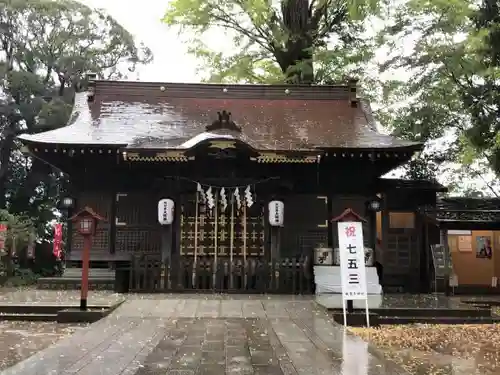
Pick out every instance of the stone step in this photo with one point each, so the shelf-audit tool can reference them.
(93, 272)
(29, 317)
(74, 283)
(395, 320)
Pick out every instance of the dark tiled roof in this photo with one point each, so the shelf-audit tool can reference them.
(462, 209)
(397, 183)
(156, 115)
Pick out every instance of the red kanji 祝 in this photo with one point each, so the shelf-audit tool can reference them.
(350, 231)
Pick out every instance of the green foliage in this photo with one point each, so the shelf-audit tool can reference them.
(46, 48)
(19, 228)
(293, 41)
(21, 277)
(453, 88)
(445, 54)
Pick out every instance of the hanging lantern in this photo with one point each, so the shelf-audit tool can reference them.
(166, 211)
(276, 213)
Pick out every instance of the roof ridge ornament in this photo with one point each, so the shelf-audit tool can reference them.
(225, 122)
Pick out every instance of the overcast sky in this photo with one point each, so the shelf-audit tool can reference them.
(142, 18)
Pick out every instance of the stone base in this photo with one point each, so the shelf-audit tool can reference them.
(62, 283)
(356, 319)
(91, 315)
(329, 281)
(76, 315)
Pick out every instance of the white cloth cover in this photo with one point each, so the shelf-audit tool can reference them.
(327, 279)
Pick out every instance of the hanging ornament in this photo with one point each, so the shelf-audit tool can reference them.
(201, 194)
(249, 197)
(237, 199)
(223, 199)
(210, 198)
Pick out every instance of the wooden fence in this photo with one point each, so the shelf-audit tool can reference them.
(181, 274)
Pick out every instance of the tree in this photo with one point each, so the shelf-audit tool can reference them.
(452, 93)
(480, 90)
(20, 233)
(47, 47)
(294, 41)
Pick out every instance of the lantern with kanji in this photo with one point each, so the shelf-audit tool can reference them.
(276, 211)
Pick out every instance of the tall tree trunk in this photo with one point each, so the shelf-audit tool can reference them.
(6, 147)
(296, 59)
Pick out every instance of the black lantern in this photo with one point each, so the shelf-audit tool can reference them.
(67, 202)
(374, 205)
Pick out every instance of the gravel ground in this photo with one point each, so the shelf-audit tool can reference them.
(20, 340)
(439, 349)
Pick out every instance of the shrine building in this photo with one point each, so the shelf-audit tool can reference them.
(219, 154)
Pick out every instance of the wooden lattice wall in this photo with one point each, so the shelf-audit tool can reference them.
(306, 224)
(137, 228)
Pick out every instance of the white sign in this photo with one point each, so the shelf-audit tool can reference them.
(276, 213)
(166, 211)
(352, 264)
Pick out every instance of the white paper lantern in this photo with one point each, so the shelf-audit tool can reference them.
(166, 211)
(276, 213)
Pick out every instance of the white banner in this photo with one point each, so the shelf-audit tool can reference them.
(352, 260)
(352, 265)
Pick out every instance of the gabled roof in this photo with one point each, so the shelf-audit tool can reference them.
(167, 115)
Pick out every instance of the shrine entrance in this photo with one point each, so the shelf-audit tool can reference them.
(222, 234)
(221, 247)
(220, 250)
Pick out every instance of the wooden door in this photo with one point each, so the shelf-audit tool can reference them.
(225, 233)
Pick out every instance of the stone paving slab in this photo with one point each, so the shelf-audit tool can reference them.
(209, 336)
(56, 297)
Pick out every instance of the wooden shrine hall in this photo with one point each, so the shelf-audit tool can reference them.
(218, 155)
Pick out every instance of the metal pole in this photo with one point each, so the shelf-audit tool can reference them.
(214, 271)
(231, 246)
(195, 240)
(245, 245)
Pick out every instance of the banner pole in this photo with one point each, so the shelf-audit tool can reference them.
(367, 313)
(344, 311)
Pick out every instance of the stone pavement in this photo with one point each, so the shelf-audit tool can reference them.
(35, 296)
(173, 335)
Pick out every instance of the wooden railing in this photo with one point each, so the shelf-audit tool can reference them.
(181, 274)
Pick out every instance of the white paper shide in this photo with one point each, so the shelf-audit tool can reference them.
(352, 260)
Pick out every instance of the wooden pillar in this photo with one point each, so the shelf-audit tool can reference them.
(331, 241)
(415, 255)
(384, 240)
(385, 222)
(372, 224)
(426, 258)
(166, 242)
(443, 240)
(69, 232)
(274, 236)
(112, 223)
(496, 255)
